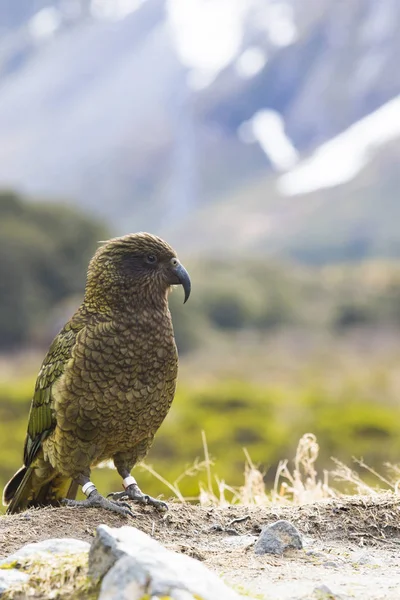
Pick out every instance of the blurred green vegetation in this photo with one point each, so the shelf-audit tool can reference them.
(44, 251)
(269, 351)
(353, 411)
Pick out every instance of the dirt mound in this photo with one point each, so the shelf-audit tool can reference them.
(335, 533)
(374, 519)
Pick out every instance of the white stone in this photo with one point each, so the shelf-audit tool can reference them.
(131, 562)
(52, 546)
(11, 577)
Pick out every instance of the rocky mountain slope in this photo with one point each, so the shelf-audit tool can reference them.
(152, 115)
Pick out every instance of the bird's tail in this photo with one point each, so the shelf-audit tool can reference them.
(24, 491)
(13, 485)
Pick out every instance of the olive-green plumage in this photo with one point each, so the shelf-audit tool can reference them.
(108, 379)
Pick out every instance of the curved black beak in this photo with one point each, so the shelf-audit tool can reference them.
(183, 279)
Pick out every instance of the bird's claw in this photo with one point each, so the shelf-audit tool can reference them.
(96, 500)
(133, 492)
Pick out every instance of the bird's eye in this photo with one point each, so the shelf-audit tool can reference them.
(151, 258)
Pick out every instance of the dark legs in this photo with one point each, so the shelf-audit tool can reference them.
(96, 500)
(133, 492)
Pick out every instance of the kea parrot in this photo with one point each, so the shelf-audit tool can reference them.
(107, 381)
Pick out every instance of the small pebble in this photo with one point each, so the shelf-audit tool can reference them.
(364, 558)
(278, 537)
(316, 553)
(322, 592)
(330, 563)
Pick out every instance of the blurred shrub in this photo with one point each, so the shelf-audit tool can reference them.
(44, 251)
(260, 295)
(227, 310)
(248, 294)
(352, 315)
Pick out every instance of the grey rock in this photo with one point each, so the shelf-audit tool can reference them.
(52, 546)
(364, 558)
(316, 553)
(278, 537)
(323, 589)
(11, 577)
(331, 563)
(322, 592)
(131, 564)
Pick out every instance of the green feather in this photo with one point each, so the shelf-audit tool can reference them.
(41, 417)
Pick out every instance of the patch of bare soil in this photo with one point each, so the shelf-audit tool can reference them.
(351, 545)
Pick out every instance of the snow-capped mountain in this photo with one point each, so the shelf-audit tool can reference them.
(153, 112)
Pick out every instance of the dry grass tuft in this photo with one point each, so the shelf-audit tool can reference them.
(302, 485)
(344, 474)
(197, 467)
(297, 485)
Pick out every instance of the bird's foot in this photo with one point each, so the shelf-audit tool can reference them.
(96, 500)
(133, 492)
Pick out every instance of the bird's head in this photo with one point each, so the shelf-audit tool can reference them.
(136, 269)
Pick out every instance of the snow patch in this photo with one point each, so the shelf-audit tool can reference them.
(268, 129)
(44, 23)
(250, 62)
(207, 34)
(278, 20)
(343, 157)
(114, 10)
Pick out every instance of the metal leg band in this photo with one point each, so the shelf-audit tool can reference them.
(128, 481)
(88, 488)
